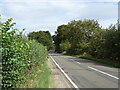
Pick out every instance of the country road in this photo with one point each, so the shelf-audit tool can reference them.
(87, 74)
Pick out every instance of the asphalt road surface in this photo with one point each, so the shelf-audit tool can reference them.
(87, 74)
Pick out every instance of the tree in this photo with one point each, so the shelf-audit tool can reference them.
(80, 34)
(96, 44)
(65, 45)
(86, 36)
(60, 36)
(112, 43)
(43, 37)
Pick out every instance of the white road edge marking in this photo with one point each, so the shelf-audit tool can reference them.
(66, 83)
(103, 72)
(78, 63)
(65, 74)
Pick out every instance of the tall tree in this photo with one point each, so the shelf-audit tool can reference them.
(60, 36)
(80, 34)
(112, 43)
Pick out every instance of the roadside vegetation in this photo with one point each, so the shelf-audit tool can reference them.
(38, 77)
(43, 37)
(87, 39)
(23, 60)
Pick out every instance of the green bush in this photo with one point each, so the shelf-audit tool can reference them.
(18, 55)
(65, 45)
(38, 53)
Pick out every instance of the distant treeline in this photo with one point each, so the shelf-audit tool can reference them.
(43, 37)
(87, 37)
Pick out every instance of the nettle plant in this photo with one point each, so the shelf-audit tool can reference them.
(15, 54)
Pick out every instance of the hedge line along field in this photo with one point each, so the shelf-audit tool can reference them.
(39, 74)
(19, 55)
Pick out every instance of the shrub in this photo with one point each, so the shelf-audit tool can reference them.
(18, 55)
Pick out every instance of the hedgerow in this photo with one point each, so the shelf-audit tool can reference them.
(18, 54)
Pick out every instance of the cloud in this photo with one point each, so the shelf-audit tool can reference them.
(47, 15)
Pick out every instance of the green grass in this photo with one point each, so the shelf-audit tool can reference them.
(38, 77)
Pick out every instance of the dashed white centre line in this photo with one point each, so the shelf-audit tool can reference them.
(78, 63)
(103, 72)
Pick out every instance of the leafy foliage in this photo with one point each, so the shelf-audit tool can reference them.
(43, 37)
(88, 37)
(60, 37)
(65, 45)
(17, 55)
(112, 43)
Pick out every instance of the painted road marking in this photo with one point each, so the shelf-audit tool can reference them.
(66, 82)
(103, 72)
(78, 62)
(65, 74)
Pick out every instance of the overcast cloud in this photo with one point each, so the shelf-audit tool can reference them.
(37, 15)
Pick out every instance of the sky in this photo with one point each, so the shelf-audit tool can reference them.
(35, 15)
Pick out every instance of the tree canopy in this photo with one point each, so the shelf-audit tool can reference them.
(87, 36)
(43, 37)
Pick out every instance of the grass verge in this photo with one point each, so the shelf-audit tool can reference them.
(38, 77)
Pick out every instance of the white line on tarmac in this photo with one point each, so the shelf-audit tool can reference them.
(65, 74)
(66, 82)
(78, 63)
(103, 72)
